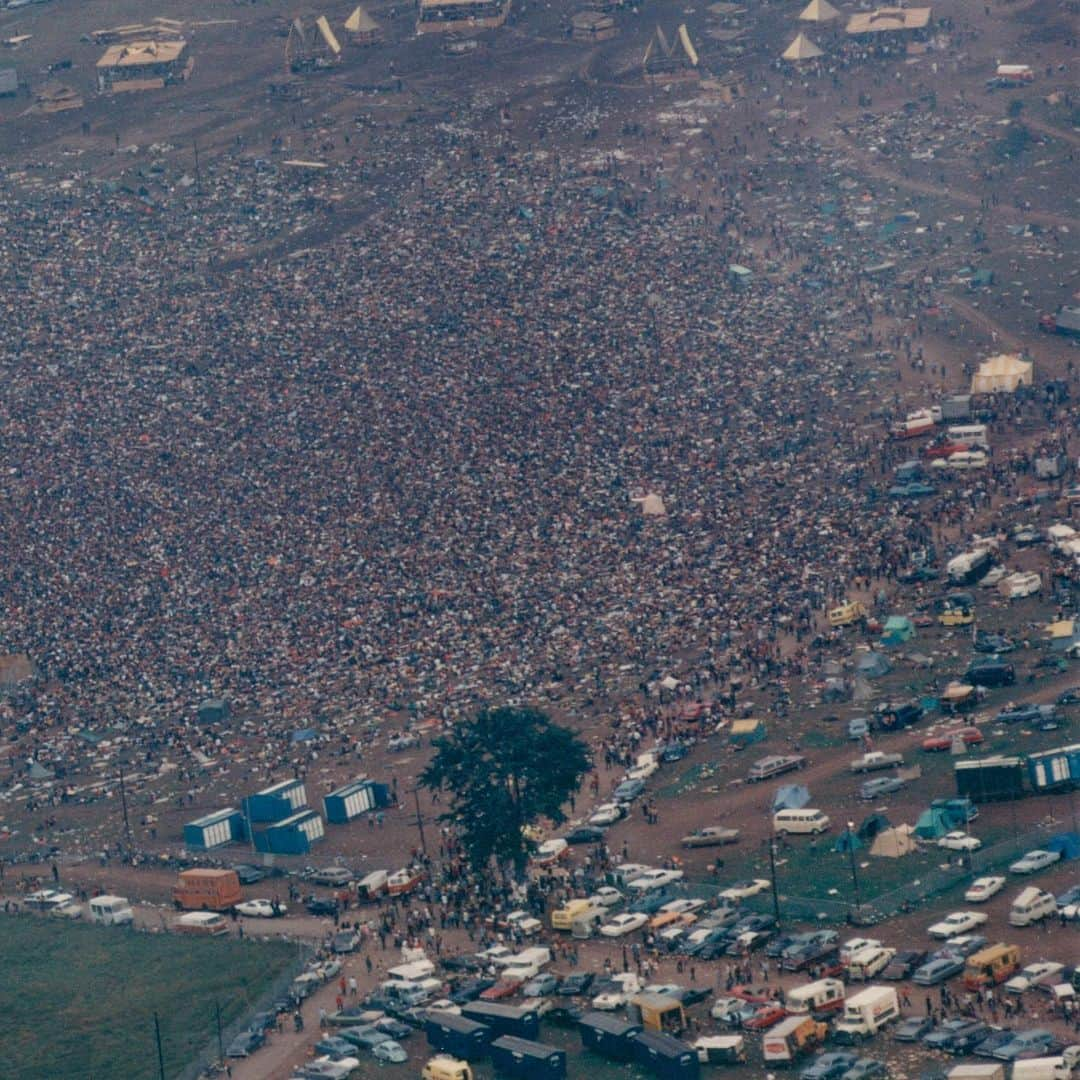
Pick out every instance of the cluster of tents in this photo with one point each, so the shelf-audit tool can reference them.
(802, 48)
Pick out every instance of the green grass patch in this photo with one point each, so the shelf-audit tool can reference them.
(79, 1001)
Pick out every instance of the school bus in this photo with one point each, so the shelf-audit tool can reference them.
(991, 965)
(850, 611)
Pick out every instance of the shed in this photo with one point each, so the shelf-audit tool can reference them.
(658, 1012)
(607, 1035)
(802, 48)
(518, 1020)
(791, 797)
(9, 82)
(351, 800)
(746, 732)
(818, 11)
(457, 1035)
(897, 630)
(362, 28)
(667, 1057)
(216, 829)
(740, 276)
(292, 836)
(526, 1059)
(276, 802)
(213, 711)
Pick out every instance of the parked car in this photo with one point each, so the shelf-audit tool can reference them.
(829, 1066)
(961, 946)
(625, 923)
(990, 1043)
(711, 836)
(913, 1028)
(334, 876)
(250, 875)
(959, 841)
(261, 909)
(765, 1017)
(742, 890)
(607, 814)
(867, 1069)
(585, 834)
(655, 879)
(903, 964)
(245, 1044)
(628, 791)
(1034, 1043)
(938, 971)
(471, 990)
(959, 922)
(391, 1052)
(335, 1047)
(956, 1035)
(326, 1068)
(880, 786)
(969, 736)
(1034, 861)
(606, 896)
(981, 889)
(319, 906)
(575, 985)
(1034, 975)
(345, 941)
(396, 1029)
(542, 985)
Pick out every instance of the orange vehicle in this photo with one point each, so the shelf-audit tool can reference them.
(207, 890)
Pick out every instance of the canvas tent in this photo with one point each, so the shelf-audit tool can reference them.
(1068, 843)
(847, 841)
(873, 665)
(802, 48)
(746, 732)
(362, 28)
(898, 629)
(818, 11)
(893, 843)
(1003, 373)
(933, 823)
(873, 826)
(652, 505)
(791, 797)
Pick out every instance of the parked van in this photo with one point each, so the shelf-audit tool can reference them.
(111, 910)
(969, 567)
(791, 1038)
(858, 727)
(851, 611)
(207, 890)
(866, 963)
(800, 821)
(867, 1013)
(972, 434)
(816, 998)
(1030, 906)
(442, 1067)
(991, 966)
(203, 923)
(1016, 586)
(1043, 1068)
(767, 767)
(371, 886)
(563, 918)
(990, 673)
(963, 459)
(418, 969)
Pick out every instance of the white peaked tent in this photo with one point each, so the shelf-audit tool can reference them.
(1002, 374)
(893, 843)
(651, 504)
(818, 11)
(802, 48)
(361, 26)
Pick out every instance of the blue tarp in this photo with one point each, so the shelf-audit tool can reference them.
(304, 735)
(791, 797)
(873, 665)
(1068, 843)
(847, 841)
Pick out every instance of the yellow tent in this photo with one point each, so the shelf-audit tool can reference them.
(818, 11)
(802, 48)
(1063, 628)
(1002, 374)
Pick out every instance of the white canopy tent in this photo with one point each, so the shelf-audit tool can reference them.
(802, 48)
(1003, 373)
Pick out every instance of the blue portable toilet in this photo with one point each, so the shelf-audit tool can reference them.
(456, 1035)
(527, 1060)
(292, 836)
(667, 1057)
(608, 1035)
(1055, 768)
(521, 1021)
(216, 829)
(350, 801)
(276, 802)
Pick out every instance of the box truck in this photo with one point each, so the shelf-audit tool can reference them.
(866, 1013)
(207, 890)
(792, 1038)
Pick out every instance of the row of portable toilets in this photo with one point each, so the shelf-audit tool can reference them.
(508, 1034)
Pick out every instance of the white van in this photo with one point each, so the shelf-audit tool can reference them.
(412, 972)
(966, 459)
(866, 963)
(1044, 1068)
(800, 821)
(824, 995)
(111, 910)
(1030, 906)
(972, 434)
(202, 923)
(1018, 585)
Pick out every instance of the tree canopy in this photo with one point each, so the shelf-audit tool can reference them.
(504, 769)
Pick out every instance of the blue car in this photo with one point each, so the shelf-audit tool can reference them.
(628, 791)
(1034, 1043)
(937, 971)
(335, 1047)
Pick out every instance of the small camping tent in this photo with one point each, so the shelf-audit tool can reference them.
(873, 826)
(933, 823)
(802, 48)
(746, 732)
(873, 665)
(893, 843)
(1003, 373)
(898, 629)
(847, 841)
(791, 797)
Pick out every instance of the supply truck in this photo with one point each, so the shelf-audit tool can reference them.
(792, 1038)
(866, 1013)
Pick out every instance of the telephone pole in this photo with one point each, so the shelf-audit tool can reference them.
(123, 802)
(160, 1053)
(419, 819)
(772, 880)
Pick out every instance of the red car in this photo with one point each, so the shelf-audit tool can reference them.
(972, 736)
(749, 994)
(504, 988)
(765, 1018)
(943, 450)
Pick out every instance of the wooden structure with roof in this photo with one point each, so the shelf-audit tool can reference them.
(675, 61)
(592, 26)
(889, 21)
(311, 46)
(818, 11)
(143, 65)
(362, 29)
(439, 16)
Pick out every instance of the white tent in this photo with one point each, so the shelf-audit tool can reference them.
(893, 843)
(802, 48)
(1002, 374)
(819, 11)
(360, 22)
(651, 504)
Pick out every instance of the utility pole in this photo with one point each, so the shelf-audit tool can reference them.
(220, 1042)
(160, 1053)
(772, 879)
(198, 175)
(123, 803)
(419, 819)
(854, 871)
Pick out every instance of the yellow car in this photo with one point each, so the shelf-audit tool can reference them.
(957, 617)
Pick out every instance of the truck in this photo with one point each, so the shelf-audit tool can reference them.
(969, 567)
(866, 1013)
(874, 760)
(207, 890)
(1066, 320)
(956, 407)
(1043, 1068)
(775, 765)
(976, 1071)
(111, 910)
(792, 1038)
(913, 425)
(817, 999)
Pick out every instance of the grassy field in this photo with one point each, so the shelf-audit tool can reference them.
(79, 1001)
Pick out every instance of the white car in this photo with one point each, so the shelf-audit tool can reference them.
(983, 888)
(1034, 861)
(724, 1006)
(1034, 975)
(644, 770)
(741, 890)
(993, 576)
(326, 1067)
(683, 906)
(67, 910)
(260, 909)
(606, 896)
(959, 841)
(655, 879)
(626, 923)
(629, 985)
(959, 922)
(607, 814)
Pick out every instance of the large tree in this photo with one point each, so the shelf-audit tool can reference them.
(502, 770)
